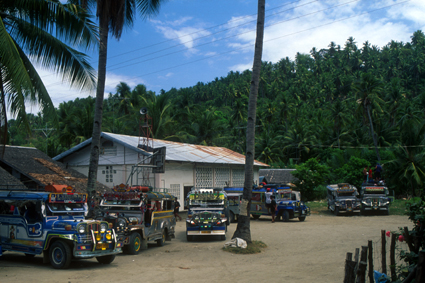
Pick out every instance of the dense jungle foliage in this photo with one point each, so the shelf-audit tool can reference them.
(316, 113)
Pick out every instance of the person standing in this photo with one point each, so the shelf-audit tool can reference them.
(272, 207)
(268, 194)
(176, 209)
(365, 173)
(378, 170)
(370, 174)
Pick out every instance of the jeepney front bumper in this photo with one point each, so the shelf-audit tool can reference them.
(378, 203)
(207, 228)
(89, 253)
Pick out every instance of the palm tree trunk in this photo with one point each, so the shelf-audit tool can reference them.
(243, 229)
(372, 132)
(98, 112)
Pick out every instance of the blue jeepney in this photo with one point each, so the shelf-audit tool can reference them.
(288, 202)
(207, 214)
(53, 224)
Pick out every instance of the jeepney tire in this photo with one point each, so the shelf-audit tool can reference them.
(285, 216)
(134, 246)
(336, 211)
(231, 217)
(161, 241)
(107, 259)
(60, 255)
(301, 218)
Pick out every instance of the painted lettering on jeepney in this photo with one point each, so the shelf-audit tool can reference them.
(67, 198)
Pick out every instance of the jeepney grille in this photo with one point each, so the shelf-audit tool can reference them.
(94, 227)
(349, 203)
(84, 238)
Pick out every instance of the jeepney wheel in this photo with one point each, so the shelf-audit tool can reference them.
(107, 259)
(134, 246)
(60, 255)
(189, 238)
(301, 218)
(255, 216)
(285, 216)
(231, 217)
(161, 241)
(336, 211)
(387, 212)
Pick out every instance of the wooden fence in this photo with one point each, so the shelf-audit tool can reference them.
(355, 269)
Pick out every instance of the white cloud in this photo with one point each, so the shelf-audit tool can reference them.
(61, 91)
(301, 34)
(186, 35)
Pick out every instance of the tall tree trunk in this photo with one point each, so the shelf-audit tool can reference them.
(243, 229)
(98, 112)
(372, 132)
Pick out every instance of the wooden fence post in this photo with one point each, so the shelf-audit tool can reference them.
(383, 252)
(349, 269)
(370, 248)
(420, 271)
(392, 257)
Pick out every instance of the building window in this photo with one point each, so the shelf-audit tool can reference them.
(238, 177)
(221, 176)
(204, 177)
(175, 190)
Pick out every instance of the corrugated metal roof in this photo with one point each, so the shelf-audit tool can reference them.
(178, 151)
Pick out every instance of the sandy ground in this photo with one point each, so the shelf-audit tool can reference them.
(310, 251)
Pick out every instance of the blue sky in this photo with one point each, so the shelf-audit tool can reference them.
(193, 41)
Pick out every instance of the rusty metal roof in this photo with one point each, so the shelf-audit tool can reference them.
(176, 151)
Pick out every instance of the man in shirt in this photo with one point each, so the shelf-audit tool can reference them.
(268, 194)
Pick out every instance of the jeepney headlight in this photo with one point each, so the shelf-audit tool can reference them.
(82, 229)
(121, 222)
(103, 227)
(133, 220)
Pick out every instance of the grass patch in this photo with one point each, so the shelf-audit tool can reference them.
(253, 248)
(318, 207)
(397, 207)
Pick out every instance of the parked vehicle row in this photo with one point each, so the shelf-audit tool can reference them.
(345, 198)
(53, 223)
(288, 202)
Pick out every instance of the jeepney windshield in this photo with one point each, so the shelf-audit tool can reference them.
(346, 194)
(206, 200)
(374, 191)
(65, 208)
(121, 204)
(284, 196)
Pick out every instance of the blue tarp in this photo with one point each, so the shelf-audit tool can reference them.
(380, 277)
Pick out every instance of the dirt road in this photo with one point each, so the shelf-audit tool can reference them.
(310, 251)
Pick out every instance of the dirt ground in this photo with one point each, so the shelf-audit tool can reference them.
(310, 251)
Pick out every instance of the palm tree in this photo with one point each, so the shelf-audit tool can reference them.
(243, 229)
(367, 91)
(38, 31)
(112, 15)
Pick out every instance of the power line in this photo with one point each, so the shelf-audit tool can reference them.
(208, 43)
(250, 45)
